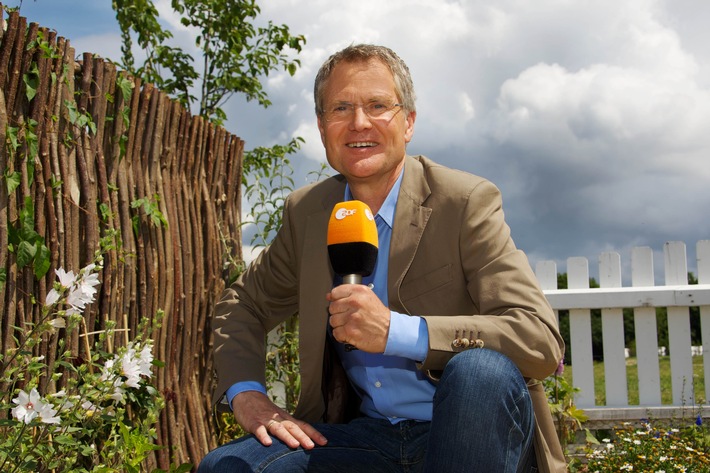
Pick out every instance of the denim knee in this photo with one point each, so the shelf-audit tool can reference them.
(481, 369)
(483, 398)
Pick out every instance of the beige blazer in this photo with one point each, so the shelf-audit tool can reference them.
(451, 261)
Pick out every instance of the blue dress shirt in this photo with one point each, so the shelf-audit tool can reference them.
(389, 384)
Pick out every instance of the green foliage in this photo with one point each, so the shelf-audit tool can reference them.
(569, 418)
(78, 118)
(12, 180)
(28, 245)
(104, 419)
(31, 80)
(168, 68)
(283, 366)
(22, 143)
(46, 49)
(151, 209)
(235, 53)
(269, 183)
(126, 86)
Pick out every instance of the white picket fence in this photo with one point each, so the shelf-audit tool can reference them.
(643, 297)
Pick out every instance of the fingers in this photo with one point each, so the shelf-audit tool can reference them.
(260, 416)
(293, 433)
(358, 317)
(262, 435)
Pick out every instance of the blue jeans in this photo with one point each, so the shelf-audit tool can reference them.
(482, 422)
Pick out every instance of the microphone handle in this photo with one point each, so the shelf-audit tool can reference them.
(351, 279)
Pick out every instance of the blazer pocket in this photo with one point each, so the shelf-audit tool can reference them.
(424, 284)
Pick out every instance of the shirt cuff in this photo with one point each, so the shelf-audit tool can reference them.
(408, 337)
(243, 386)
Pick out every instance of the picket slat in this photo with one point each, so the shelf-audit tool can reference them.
(581, 335)
(645, 329)
(703, 257)
(676, 270)
(546, 272)
(613, 334)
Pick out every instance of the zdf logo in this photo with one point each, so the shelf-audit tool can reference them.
(342, 212)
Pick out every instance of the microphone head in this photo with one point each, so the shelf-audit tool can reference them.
(352, 239)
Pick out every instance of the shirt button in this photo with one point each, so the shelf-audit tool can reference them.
(378, 384)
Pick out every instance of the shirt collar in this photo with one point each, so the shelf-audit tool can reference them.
(386, 212)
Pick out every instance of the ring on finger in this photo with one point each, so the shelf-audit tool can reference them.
(271, 422)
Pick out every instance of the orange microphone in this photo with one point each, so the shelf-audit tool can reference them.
(352, 241)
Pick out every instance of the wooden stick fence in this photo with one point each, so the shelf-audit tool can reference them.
(97, 164)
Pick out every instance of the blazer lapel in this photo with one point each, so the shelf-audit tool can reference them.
(410, 220)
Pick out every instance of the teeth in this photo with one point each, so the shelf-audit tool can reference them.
(362, 144)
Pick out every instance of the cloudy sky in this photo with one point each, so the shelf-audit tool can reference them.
(592, 116)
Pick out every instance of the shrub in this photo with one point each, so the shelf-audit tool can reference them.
(652, 449)
(104, 418)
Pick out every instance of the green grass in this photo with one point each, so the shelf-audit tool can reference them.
(632, 377)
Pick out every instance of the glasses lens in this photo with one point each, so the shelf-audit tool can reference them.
(376, 109)
(345, 111)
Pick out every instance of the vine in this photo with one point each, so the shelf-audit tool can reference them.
(151, 209)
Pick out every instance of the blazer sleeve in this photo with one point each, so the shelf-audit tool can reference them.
(261, 298)
(508, 312)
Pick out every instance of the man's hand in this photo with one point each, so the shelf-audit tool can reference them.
(261, 417)
(358, 317)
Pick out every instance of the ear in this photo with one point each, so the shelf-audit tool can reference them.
(409, 130)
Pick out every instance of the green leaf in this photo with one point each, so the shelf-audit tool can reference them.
(12, 133)
(13, 181)
(73, 112)
(31, 80)
(104, 211)
(64, 440)
(184, 468)
(26, 252)
(42, 260)
(27, 220)
(591, 438)
(126, 86)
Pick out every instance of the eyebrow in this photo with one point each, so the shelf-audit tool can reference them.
(377, 98)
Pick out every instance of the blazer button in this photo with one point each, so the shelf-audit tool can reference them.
(478, 343)
(461, 343)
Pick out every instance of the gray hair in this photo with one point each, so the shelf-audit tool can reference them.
(363, 53)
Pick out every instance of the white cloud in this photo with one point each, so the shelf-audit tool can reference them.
(313, 147)
(106, 45)
(590, 116)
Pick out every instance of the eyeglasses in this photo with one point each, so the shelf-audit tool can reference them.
(344, 111)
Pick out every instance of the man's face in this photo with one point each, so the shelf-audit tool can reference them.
(363, 148)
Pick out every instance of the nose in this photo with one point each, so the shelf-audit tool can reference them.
(359, 120)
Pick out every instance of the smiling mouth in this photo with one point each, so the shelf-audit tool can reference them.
(362, 144)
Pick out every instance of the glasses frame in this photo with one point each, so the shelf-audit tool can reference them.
(351, 112)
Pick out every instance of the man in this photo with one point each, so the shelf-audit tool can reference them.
(451, 329)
